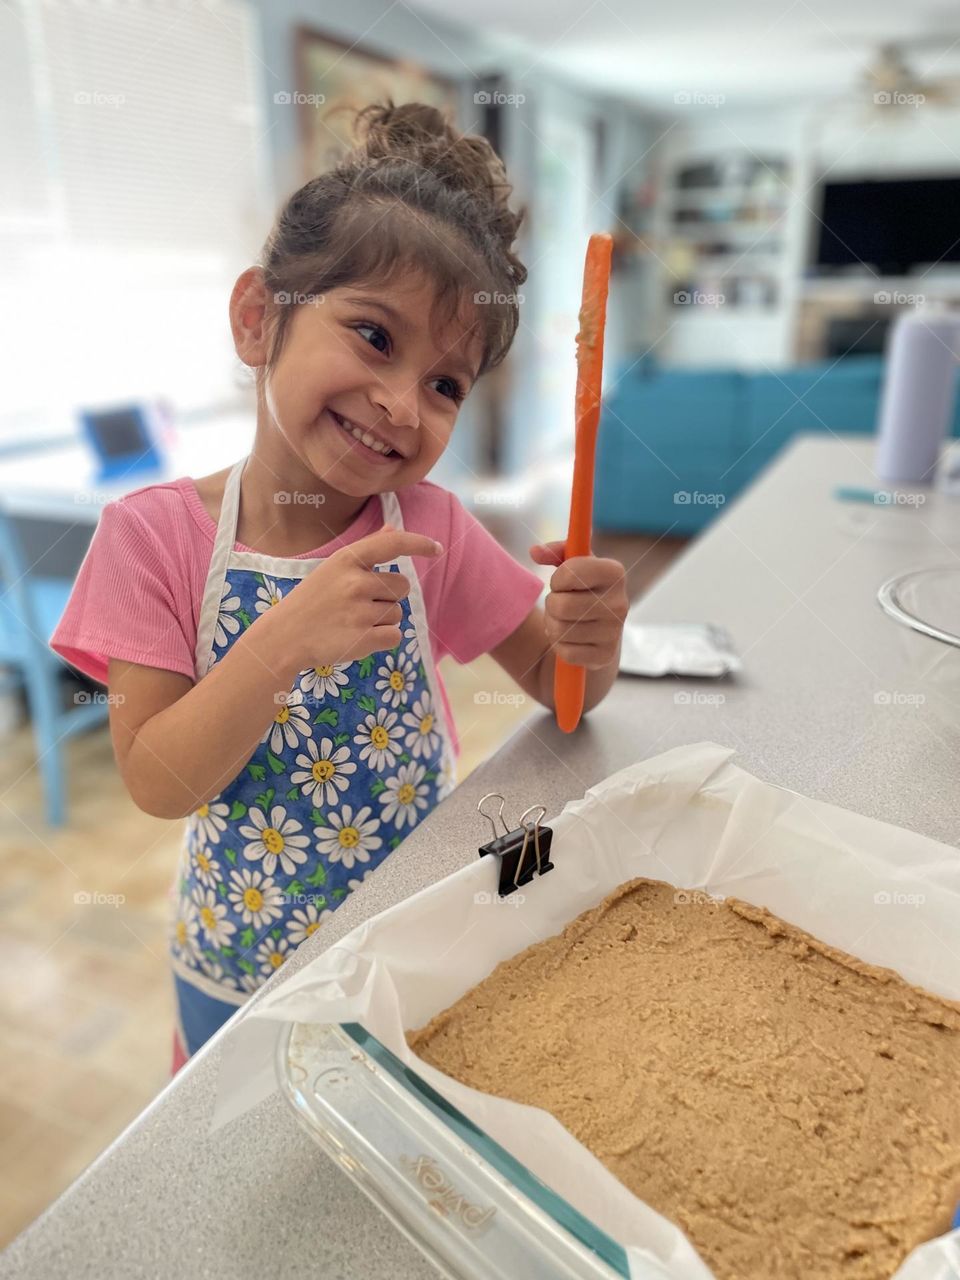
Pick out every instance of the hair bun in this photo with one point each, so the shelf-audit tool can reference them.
(384, 129)
(418, 132)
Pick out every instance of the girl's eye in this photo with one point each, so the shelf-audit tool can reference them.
(376, 329)
(456, 392)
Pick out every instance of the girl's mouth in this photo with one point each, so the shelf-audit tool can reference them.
(375, 451)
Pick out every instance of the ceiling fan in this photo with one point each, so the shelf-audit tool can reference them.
(891, 78)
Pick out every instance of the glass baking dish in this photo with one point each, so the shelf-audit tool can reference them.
(474, 1210)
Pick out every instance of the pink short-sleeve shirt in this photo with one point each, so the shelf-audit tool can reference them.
(138, 593)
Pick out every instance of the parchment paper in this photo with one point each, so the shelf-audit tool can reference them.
(689, 817)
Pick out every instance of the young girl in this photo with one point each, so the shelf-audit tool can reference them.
(285, 701)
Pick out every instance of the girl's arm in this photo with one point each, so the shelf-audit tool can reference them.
(582, 622)
(528, 656)
(177, 743)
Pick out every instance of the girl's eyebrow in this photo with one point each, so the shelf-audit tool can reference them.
(385, 307)
(399, 320)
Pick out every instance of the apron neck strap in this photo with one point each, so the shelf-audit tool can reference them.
(229, 510)
(226, 536)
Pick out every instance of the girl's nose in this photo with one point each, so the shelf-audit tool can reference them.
(399, 402)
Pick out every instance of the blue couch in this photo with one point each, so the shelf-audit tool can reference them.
(677, 445)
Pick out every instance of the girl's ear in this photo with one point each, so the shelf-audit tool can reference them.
(248, 310)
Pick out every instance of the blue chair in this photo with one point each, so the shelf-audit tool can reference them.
(31, 604)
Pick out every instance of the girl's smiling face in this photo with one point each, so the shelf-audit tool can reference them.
(363, 359)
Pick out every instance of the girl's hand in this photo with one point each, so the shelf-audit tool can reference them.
(586, 607)
(344, 609)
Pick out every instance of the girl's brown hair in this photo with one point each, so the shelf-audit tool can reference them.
(413, 193)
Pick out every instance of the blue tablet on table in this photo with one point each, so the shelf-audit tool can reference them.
(124, 439)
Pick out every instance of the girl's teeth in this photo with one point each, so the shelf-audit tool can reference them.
(365, 437)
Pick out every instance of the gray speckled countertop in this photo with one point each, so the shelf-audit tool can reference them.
(793, 575)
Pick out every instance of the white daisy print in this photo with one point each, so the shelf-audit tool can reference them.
(303, 922)
(323, 772)
(348, 839)
(290, 724)
(271, 954)
(421, 738)
(211, 913)
(215, 970)
(397, 677)
(207, 868)
(228, 624)
(411, 645)
(185, 930)
(319, 681)
(406, 793)
(379, 739)
(255, 897)
(276, 841)
(267, 596)
(209, 821)
(250, 982)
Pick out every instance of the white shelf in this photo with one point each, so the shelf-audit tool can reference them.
(756, 251)
(748, 251)
(733, 225)
(705, 195)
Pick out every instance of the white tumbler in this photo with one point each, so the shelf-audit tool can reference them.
(918, 394)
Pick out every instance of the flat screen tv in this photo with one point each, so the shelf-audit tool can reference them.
(890, 225)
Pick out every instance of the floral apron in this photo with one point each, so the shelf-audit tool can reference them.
(357, 755)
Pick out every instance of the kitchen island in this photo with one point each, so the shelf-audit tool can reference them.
(827, 704)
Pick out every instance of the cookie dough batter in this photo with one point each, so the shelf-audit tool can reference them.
(794, 1110)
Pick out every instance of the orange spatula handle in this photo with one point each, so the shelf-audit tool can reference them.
(570, 680)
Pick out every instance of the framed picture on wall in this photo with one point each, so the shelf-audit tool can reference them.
(334, 79)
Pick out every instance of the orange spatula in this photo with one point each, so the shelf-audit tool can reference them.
(569, 680)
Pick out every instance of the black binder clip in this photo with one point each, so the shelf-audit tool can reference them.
(524, 851)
